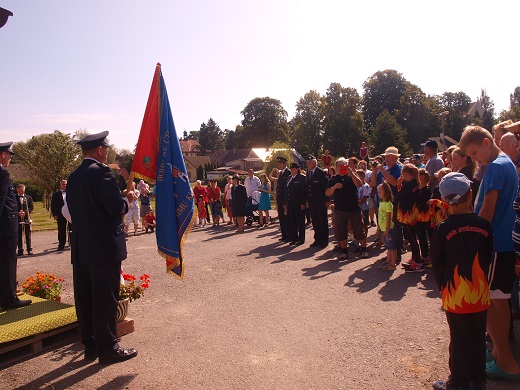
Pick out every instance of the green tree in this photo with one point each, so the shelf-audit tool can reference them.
(514, 108)
(487, 103)
(487, 121)
(265, 121)
(50, 158)
(387, 132)
(514, 98)
(457, 104)
(308, 122)
(229, 139)
(210, 137)
(278, 149)
(342, 120)
(383, 91)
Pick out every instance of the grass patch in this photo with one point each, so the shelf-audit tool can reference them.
(41, 218)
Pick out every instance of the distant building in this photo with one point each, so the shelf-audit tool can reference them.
(193, 163)
(476, 107)
(190, 148)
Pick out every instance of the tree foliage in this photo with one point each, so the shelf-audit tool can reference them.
(307, 123)
(279, 149)
(265, 121)
(387, 132)
(50, 158)
(487, 103)
(210, 137)
(342, 120)
(457, 104)
(383, 91)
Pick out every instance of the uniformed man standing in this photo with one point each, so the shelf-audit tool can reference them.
(8, 234)
(25, 208)
(295, 205)
(281, 189)
(317, 183)
(97, 248)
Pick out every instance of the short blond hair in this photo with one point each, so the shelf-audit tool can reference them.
(474, 135)
(502, 126)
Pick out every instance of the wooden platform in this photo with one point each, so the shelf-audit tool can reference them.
(17, 350)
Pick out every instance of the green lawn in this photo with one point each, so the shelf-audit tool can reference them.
(41, 218)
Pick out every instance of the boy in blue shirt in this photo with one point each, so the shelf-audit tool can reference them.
(494, 202)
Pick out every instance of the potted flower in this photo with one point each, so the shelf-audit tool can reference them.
(45, 286)
(130, 289)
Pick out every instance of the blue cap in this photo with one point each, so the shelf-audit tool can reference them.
(453, 186)
(431, 144)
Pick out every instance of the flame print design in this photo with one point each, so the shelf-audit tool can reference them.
(467, 296)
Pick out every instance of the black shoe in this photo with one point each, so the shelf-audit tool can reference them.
(119, 355)
(314, 244)
(16, 304)
(29, 252)
(60, 248)
(20, 253)
(90, 354)
(281, 239)
(292, 243)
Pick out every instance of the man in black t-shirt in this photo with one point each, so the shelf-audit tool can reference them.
(344, 188)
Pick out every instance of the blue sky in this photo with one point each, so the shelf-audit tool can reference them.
(70, 65)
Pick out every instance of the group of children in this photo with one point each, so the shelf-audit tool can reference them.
(470, 250)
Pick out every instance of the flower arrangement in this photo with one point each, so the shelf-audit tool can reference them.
(45, 286)
(132, 288)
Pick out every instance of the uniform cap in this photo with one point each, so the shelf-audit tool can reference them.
(6, 147)
(281, 159)
(94, 140)
(311, 157)
(294, 165)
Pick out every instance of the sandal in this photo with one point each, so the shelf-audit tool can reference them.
(493, 371)
(388, 267)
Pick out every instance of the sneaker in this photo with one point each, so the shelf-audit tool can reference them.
(352, 243)
(364, 255)
(439, 385)
(336, 248)
(388, 267)
(343, 255)
(381, 266)
(415, 267)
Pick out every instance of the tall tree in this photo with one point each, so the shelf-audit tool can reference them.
(50, 158)
(385, 132)
(457, 104)
(265, 122)
(383, 91)
(487, 103)
(342, 120)
(210, 137)
(514, 98)
(308, 122)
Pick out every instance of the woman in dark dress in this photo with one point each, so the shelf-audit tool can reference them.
(239, 196)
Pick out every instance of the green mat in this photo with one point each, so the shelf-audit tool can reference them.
(41, 316)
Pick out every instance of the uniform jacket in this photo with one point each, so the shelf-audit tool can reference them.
(296, 194)
(57, 203)
(316, 187)
(96, 208)
(281, 186)
(8, 207)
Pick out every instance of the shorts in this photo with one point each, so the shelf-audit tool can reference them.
(145, 209)
(132, 215)
(501, 275)
(341, 220)
(390, 242)
(371, 203)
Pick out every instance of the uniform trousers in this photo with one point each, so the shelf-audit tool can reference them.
(296, 224)
(8, 270)
(467, 348)
(62, 231)
(283, 219)
(320, 224)
(96, 296)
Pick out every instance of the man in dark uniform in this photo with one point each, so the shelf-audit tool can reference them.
(97, 248)
(281, 189)
(57, 202)
(8, 234)
(317, 183)
(25, 208)
(295, 205)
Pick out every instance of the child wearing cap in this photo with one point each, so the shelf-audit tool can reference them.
(494, 201)
(461, 251)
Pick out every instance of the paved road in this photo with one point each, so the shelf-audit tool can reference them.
(255, 314)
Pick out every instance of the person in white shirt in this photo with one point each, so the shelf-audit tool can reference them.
(252, 183)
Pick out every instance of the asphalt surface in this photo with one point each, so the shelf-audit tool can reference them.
(253, 313)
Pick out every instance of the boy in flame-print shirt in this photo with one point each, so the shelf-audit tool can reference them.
(462, 249)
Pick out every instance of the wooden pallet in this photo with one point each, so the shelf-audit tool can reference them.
(17, 350)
